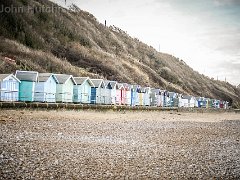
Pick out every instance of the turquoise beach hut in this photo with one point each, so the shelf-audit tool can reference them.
(45, 88)
(64, 90)
(9, 87)
(82, 90)
(27, 86)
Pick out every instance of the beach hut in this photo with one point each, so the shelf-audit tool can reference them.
(119, 89)
(155, 97)
(9, 87)
(45, 88)
(97, 92)
(165, 98)
(112, 85)
(173, 99)
(107, 92)
(141, 96)
(188, 101)
(64, 90)
(82, 90)
(135, 89)
(127, 94)
(27, 86)
(146, 96)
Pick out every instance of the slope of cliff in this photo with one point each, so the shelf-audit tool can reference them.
(73, 41)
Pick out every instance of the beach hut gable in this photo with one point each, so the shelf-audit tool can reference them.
(9, 87)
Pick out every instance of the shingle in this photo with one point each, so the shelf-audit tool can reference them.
(27, 75)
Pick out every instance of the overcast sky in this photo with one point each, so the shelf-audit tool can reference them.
(204, 33)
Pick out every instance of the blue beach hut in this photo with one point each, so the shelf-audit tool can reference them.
(82, 90)
(45, 88)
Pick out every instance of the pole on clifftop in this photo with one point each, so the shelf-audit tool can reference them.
(105, 23)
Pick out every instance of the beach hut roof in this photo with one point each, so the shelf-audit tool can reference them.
(27, 75)
(98, 82)
(43, 77)
(63, 78)
(172, 94)
(157, 91)
(82, 80)
(187, 97)
(127, 86)
(4, 76)
(120, 85)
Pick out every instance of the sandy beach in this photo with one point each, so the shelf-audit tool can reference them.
(63, 144)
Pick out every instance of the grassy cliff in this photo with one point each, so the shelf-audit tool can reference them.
(74, 42)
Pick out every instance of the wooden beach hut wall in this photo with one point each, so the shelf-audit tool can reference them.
(119, 90)
(221, 105)
(82, 90)
(141, 96)
(97, 92)
(146, 96)
(64, 90)
(181, 101)
(27, 86)
(226, 104)
(188, 101)
(45, 88)
(173, 99)
(122, 94)
(155, 97)
(9, 87)
(127, 94)
(113, 86)
(107, 92)
(165, 98)
(135, 89)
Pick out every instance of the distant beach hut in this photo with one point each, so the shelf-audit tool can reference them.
(155, 97)
(97, 92)
(45, 88)
(9, 87)
(173, 99)
(107, 92)
(165, 98)
(27, 86)
(113, 90)
(188, 101)
(82, 90)
(127, 93)
(64, 90)
(221, 105)
(141, 96)
(135, 89)
(146, 96)
(119, 88)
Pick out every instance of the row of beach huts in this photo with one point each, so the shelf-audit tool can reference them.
(31, 86)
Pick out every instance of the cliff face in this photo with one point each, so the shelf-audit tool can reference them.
(73, 41)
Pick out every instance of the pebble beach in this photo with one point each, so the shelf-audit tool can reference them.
(38, 144)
